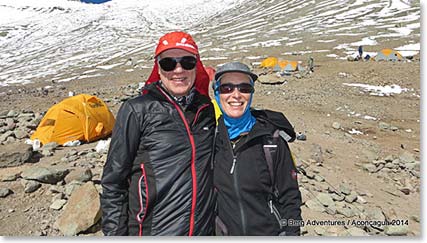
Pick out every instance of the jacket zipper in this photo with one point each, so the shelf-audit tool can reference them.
(198, 113)
(233, 171)
(193, 158)
(142, 179)
(276, 213)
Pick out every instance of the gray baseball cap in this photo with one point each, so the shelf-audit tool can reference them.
(235, 67)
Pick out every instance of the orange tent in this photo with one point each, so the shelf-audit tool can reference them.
(81, 117)
(269, 62)
(286, 65)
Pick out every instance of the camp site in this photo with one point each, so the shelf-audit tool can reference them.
(345, 73)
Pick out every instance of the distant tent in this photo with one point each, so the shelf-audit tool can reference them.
(94, 1)
(81, 117)
(286, 65)
(388, 55)
(269, 62)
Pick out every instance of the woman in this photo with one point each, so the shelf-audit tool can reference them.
(255, 195)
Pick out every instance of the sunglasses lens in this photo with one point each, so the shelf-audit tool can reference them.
(167, 64)
(245, 88)
(188, 62)
(226, 88)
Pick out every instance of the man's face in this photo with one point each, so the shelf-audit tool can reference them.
(178, 81)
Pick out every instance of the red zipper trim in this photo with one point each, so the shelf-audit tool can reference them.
(140, 199)
(198, 112)
(193, 165)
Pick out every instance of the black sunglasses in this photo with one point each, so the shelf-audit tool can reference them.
(242, 87)
(169, 63)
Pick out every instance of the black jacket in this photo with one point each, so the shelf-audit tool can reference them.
(158, 177)
(244, 192)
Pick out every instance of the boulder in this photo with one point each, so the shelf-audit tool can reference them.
(82, 211)
(15, 154)
(45, 175)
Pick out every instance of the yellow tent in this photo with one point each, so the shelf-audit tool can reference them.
(269, 62)
(81, 117)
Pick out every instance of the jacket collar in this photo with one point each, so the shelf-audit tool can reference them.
(153, 90)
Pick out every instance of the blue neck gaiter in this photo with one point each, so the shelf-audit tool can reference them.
(236, 126)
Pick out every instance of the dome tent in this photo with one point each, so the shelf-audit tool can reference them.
(81, 117)
(388, 55)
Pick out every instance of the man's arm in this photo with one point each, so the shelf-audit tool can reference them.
(115, 185)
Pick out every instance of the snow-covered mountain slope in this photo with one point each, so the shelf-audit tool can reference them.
(50, 39)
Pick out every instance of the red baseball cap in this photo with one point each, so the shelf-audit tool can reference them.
(177, 40)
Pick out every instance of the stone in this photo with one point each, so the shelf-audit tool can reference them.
(15, 154)
(354, 231)
(45, 175)
(83, 211)
(4, 192)
(347, 212)
(407, 157)
(389, 158)
(352, 197)
(325, 199)
(361, 200)
(304, 194)
(337, 197)
(51, 146)
(344, 189)
(47, 153)
(20, 134)
(336, 125)
(5, 135)
(320, 230)
(315, 205)
(319, 178)
(58, 204)
(30, 185)
(383, 125)
(9, 177)
(375, 214)
(370, 168)
(396, 230)
(12, 113)
(79, 174)
(71, 187)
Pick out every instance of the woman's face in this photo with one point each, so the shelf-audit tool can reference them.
(179, 80)
(234, 104)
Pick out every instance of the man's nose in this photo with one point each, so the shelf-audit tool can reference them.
(178, 68)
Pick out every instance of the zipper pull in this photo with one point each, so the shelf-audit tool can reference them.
(270, 203)
(233, 166)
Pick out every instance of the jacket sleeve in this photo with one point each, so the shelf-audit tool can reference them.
(115, 186)
(289, 194)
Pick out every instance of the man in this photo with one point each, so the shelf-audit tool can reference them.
(157, 179)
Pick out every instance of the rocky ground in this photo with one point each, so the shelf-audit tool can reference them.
(358, 154)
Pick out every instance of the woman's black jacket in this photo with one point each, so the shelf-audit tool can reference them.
(245, 202)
